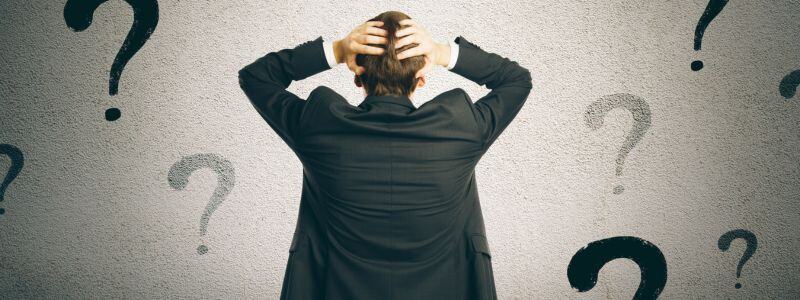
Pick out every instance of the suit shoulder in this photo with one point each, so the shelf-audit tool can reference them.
(321, 91)
(324, 92)
(455, 95)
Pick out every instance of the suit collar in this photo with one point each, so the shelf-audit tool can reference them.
(396, 99)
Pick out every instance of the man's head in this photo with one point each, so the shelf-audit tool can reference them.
(384, 74)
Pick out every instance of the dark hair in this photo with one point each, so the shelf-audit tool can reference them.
(385, 74)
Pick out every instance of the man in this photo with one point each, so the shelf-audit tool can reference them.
(389, 206)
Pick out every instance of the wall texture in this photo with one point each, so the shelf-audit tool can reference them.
(92, 213)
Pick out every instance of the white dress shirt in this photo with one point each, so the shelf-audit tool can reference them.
(328, 48)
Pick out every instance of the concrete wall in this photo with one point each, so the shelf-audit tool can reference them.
(92, 214)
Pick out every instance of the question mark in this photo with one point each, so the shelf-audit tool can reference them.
(78, 15)
(179, 177)
(596, 112)
(712, 10)
(17, 161)
(724, 244)
(788, 86)
(585, 265)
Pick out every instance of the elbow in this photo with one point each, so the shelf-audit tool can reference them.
(243, 75)
(526, 82)
(524, 78)
(244, 79)
(528, 79)
(519, 75)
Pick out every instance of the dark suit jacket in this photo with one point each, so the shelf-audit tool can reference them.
(389, 206)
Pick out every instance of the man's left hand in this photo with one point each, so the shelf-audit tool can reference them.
(345, 49)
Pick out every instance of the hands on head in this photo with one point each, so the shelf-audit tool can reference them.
(356, 42)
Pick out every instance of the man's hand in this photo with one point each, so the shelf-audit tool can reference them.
(345, 49)
(437, 53)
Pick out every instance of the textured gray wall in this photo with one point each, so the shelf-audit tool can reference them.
(93, 215)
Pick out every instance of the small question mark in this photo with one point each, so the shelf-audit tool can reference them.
(724, 244)
(585, 265)
(179, 177)
(78, 15)
(712, 10)
(17, 161)
(596, 112)
(788, 86)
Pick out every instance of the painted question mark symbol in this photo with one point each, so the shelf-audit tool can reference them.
(78, 15)
(788, 86)
(713, 8)
(597, 111)
(724, 244)
(179, 177)
(585, 265)
(17, 161)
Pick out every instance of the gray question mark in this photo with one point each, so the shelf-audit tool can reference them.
(17, 161)
(597, 111)
(724, 244)
(179, 177)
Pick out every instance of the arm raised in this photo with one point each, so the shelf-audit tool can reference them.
(509, 82)
(265, 82)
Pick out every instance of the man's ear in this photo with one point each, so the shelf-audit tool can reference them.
(421, 81)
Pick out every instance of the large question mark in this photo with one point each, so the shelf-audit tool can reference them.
(724, 244)
(713, 8)
(78, 15)
(17, 161)
(179, 177)
(788, 86)
(596, 112)
(585, 265)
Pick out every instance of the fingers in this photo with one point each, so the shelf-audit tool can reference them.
(406, 40)
(375, 31)
(408, 22)
(418, 50)
(371, 27)
(406, 31)
(364, 49)
(368, 33)
(370, 39)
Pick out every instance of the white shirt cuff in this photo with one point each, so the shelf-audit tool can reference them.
(453, 54)
(327, 46)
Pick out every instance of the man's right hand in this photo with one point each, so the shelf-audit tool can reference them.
(438, 53)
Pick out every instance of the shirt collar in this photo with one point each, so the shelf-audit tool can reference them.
(396, 99)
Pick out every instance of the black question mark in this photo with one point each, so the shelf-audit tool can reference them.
(724, 244)
(17, 161)
(712, 10)
(586, 264)
(78, 15)
(788, 86)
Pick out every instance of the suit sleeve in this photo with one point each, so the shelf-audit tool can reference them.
(265, 81)
(509, 82)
